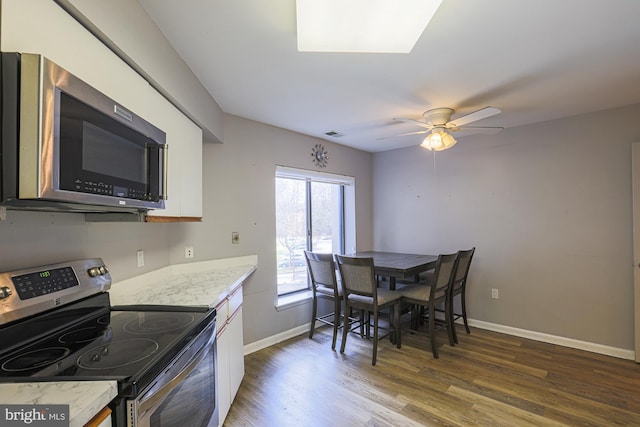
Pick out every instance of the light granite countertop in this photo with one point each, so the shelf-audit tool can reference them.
(192, 284)
(85, 398)
(203, 283)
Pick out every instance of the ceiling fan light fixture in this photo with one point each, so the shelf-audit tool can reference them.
(438, 140)
(374, 26)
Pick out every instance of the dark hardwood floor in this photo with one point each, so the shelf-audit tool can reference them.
(488, 379)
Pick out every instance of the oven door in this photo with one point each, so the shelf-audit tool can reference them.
(186, 394)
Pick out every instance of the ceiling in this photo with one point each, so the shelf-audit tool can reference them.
(536, 60)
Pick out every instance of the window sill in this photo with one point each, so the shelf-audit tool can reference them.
(288, 301)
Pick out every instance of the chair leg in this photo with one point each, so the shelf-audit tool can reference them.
(375, 337)
(432, 330)
(448, 318)
(345, 327)
(314, 312)
(336, 322)
(367, 331)
(415, 316)
(454, 334)
(464, 311)
(396, 326)
(452, 320)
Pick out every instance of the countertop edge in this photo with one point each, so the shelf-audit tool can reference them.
(85, 398)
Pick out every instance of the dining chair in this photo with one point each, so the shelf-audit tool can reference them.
(324, 284)
(429, 295)
(458, 287)
(361, 291)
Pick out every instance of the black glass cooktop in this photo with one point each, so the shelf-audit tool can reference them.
(87, 340)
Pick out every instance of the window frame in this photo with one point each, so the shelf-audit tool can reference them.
(347, 206)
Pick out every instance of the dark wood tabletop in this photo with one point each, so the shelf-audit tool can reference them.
(399, 266)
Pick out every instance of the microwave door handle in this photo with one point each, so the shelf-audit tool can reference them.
(146, 406)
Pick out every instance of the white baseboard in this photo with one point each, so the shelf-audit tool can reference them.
(554, 339)
(275, 339)
(536, 336)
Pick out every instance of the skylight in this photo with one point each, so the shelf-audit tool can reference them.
(376, 26)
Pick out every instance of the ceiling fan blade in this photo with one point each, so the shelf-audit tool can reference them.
(414, 121)
(475, 130)
(404, 134)
(475, 116)
(498, 128)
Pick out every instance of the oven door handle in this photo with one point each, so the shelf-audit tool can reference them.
(153, 399)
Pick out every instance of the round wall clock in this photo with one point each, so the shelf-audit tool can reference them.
(320, 157)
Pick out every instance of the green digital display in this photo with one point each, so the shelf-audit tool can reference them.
(45, 274)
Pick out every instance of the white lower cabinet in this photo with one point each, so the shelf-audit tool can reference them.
(224, 396)
(230, 351)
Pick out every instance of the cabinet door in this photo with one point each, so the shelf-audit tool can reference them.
(224, 394)
(184, 173)
(236, 353)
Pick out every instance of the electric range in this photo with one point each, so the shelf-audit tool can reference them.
(57, 324)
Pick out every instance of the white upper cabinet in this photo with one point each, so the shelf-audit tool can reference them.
(184, 189)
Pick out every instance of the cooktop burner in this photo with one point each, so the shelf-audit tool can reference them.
(153, 323)
(83, 335)
(117, 354)
(34, 359)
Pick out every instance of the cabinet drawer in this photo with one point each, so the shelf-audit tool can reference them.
(222, 311)
(235, 301)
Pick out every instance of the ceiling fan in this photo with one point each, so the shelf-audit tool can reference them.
(438, 124)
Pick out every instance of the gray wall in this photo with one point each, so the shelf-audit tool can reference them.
(548, 207)
(36, 238)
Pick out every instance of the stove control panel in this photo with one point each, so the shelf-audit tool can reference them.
(44, 282)
(33, 290)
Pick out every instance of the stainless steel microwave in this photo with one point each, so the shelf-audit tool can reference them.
(64, 144)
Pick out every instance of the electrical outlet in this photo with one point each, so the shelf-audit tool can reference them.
(188, 251)
(494, 293)
(140, 258)
(235, 237)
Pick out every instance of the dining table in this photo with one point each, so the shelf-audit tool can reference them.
(395, 266)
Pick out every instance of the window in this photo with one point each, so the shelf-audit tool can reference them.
(311, 214)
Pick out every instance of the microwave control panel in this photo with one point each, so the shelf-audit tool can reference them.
(109, 190)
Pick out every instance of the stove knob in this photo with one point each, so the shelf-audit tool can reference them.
(93, 271)
(5, 291)
(102, 269)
